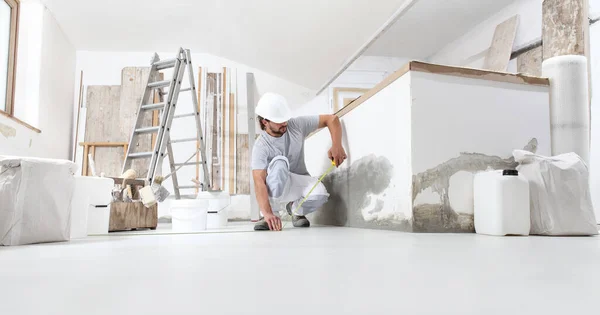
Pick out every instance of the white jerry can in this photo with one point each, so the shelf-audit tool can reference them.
(501, 203)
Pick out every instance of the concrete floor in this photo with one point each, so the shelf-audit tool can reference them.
(321, 270)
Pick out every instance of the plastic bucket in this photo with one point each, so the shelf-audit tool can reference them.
(189, 215)
(218, 203)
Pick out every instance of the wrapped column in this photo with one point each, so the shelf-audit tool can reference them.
(569, 112)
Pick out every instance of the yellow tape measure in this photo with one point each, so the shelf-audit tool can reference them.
(315, 186)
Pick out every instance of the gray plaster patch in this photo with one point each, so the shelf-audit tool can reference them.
(8, 131)
(351, 190)
(441, 217)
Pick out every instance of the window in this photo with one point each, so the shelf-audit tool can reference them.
(9, 13)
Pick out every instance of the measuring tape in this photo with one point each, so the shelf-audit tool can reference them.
(331, 168)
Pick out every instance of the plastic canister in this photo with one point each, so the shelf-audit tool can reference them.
(501, 203)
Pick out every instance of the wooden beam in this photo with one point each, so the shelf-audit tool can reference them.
(232, 141)
(156, 113)
(104, 144)
(84, 169)
(498, 55)
(78, 113)
(530, 62)
(242, 165)
(199, 98)
(223, 124)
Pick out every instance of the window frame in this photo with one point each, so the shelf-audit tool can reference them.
(12, 57)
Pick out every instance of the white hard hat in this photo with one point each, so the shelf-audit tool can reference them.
(273, 107)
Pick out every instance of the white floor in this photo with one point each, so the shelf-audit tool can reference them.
(321, 270)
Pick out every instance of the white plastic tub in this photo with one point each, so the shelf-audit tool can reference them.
(218, 203)
(189, 215)
(98, 220)
(92, 197)
(501, 203)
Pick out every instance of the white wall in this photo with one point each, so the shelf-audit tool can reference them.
(365, 72)
(469, 50)
(44, 88)
(472, 115)
(353, 201)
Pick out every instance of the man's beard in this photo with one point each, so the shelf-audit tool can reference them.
(279, 131)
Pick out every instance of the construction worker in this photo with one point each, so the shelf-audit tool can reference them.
(278, 168)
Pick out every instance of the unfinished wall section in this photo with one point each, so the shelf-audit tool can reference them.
(464, 125)
(415, 141)
(372, 188)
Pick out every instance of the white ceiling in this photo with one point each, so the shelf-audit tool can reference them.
(303, 41)
(432, 24)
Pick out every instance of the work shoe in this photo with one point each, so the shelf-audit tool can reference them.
(261, 225)
(297, 220)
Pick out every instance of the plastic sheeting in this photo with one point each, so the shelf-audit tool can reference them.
(569, 105)
(560, 196)
(35, 200)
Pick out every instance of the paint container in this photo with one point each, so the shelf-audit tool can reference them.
(189, 215)
(218, 205)
(501, 203)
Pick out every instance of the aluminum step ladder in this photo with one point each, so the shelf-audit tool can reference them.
(162, 146)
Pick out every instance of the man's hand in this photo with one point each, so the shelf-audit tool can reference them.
(273, 221)
(337, 154)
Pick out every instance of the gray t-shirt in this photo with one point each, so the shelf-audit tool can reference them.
(290, 145)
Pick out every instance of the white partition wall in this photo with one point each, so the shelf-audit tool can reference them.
(415, 141)
(372, 188)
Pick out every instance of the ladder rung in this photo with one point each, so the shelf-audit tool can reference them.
(184, 115)
(185, 90)
(165, 64)
(154, 106)
(184, 140)
(159, 84)
(187, 164)
(147, 130)
(188, 187)
(140, 155)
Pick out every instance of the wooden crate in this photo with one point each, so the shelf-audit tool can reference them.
(126, 216)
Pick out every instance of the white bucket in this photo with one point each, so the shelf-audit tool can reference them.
(98, 220)
(189, 215)
(218, 203)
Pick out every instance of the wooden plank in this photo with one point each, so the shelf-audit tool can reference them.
(498, 55)
(199, 97)
(530, 62)
(223, 124)
(232, 143)
(103, 126)
(445, 70)
(564, 27)
(132, 215)
(242, 168)
(78, 114)
(216, 170)
(477, 74)
(84, 169)
(104, 144)
(133, 84)
(156, 113)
